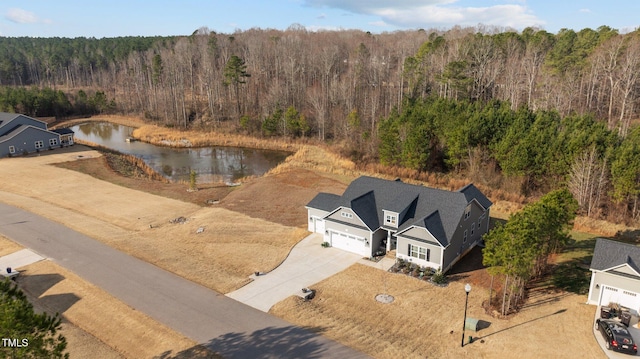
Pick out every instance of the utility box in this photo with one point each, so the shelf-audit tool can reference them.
(471, 324)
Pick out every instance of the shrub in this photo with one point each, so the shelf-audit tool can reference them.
(439, 277)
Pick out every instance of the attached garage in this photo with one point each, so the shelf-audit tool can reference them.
(622, 297)
(317, 225)
(615, 275)
(349, 242)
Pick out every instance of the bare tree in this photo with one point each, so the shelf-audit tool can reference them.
(588, 181)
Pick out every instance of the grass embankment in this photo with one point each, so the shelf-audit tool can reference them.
(192, 138)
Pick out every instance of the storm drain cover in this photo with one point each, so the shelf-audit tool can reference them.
(384, 298)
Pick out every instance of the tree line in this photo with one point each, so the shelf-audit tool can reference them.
(46, 102)
(327, 75)
(522, 151)
(523, 111)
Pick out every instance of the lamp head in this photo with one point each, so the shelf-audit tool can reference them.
(467, 288)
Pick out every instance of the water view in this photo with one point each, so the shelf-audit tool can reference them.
(212, 164)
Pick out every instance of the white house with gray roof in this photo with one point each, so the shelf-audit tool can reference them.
(427, 226)
(20, 134)
(615, 274)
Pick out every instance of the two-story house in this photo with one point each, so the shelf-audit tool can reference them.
(20, 134)
(426, 226)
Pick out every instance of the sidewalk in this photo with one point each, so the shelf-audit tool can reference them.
(18, 259)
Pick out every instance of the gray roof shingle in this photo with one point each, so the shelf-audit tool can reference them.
(325, 201)
(437, 210)
(63, 131)
(608, 254)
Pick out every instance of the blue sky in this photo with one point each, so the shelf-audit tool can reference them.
(71, 18)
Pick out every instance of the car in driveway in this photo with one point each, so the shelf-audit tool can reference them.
(616, 336)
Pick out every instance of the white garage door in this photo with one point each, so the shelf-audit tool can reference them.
(350, 243)
(318, 225)
(625, 298)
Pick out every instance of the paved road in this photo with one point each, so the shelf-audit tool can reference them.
(226, 326)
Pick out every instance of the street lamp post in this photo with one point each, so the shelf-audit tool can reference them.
(467, 289)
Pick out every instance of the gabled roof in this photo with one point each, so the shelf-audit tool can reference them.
(63, 131)
(325, 201)
(609, 254)
(471, 192)
(5, 116)
(433, 223)
(6, 119)
(437, 210)
(362, 207)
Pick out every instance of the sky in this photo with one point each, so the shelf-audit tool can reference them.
(72, 18)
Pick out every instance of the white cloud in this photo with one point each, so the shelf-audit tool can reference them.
(21, 16)
(372, 6)
(585, 10)
(379, 23)
(436, 13)
(322, 16)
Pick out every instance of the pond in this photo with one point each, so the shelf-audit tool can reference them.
(212, 164)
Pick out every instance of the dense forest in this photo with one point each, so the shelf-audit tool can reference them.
(524, 111)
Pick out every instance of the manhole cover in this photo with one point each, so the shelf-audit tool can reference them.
(384, 298)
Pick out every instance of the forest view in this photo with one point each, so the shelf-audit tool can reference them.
(526, 112)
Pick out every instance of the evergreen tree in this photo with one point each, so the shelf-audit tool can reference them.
(18, 321)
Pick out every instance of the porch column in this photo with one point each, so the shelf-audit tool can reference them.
(388, 241)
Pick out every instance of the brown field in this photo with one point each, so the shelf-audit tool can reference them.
(221, 258)
(425, 321)
(253, 228)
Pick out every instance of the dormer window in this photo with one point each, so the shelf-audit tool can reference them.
(346, 215)
(391, 220)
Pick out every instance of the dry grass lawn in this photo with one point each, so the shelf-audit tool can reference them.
(425, 321)
(253, 229)
(122, 331)
(7, 246)
(231, 247)
(95, 324)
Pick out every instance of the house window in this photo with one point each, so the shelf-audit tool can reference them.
(464, 240)
(39, 145)
(419, 252)
(467, 212)
(473, 227)
(346, 215)
(12, 149)
(53, 141)
(390, 219)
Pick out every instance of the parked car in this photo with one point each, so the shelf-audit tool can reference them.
(616, 336)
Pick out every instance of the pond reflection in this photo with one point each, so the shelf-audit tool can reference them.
(212, 164)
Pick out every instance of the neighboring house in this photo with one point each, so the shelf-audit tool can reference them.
(20, 134)
(615, 274)
(427, 226)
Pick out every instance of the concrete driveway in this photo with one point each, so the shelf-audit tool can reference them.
(230, 328)
(307, 264)
(633, 329)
